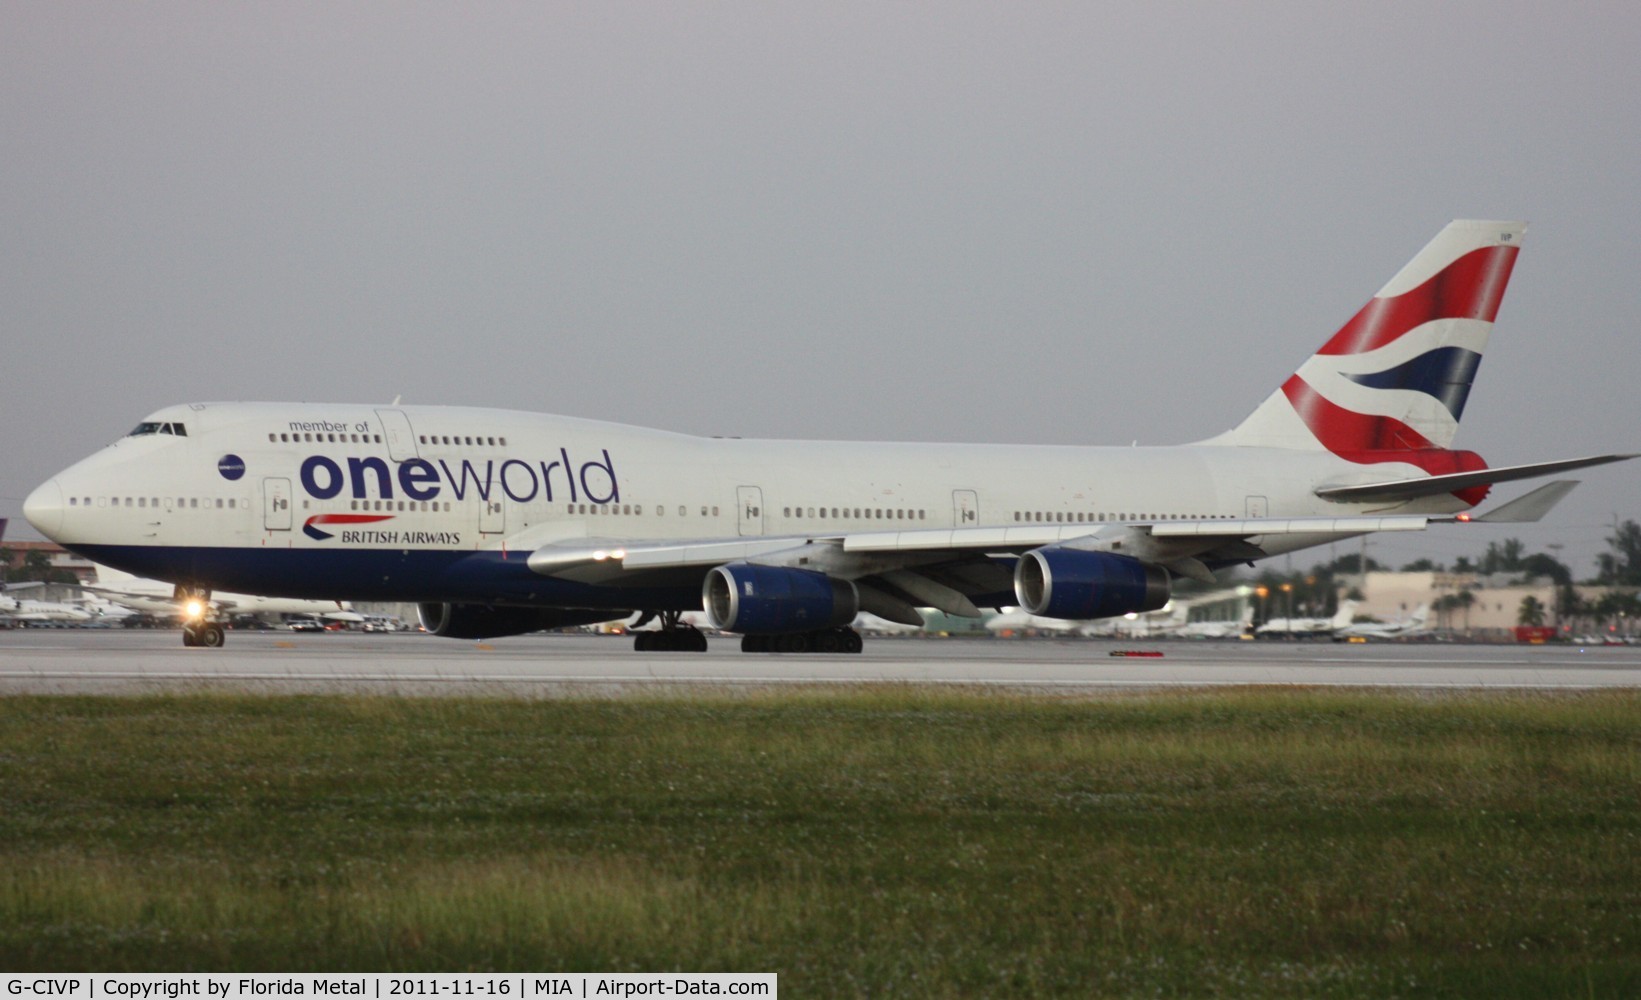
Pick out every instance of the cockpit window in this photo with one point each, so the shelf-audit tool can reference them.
(153, 427)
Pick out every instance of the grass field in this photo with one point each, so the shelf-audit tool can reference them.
(892, 842)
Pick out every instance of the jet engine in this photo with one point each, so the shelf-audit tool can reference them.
(1057, 582)
(747, 598)
(488, 621)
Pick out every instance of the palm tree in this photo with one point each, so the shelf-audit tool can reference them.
(1466, 600)
(1531, 611)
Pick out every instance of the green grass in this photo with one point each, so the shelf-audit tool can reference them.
(899, 842)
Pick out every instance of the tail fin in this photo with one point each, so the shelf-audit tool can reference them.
(1345, 615)
(108, 574)
(1396, 377)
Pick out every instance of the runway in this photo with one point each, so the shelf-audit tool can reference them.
(133, 662)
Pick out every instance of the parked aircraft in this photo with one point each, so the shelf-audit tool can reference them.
(156, 597)
(1276, 627)
(41, 612)
(1234, 629)
(1415, 624)
(1017, 621)
(499, 522)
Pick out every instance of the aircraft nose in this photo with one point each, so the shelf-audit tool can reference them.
(44, 509)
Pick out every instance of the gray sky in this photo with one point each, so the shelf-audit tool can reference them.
(1063, 223)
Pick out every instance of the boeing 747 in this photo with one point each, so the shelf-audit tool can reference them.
(499, 522)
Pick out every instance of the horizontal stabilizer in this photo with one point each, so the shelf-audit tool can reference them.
(1532, 507)
(1429, 486)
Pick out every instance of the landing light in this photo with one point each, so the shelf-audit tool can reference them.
(1463, 518)
(193, 610)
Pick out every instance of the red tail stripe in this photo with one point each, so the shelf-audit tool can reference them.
(1341, 430)
(1370, 440)
(1469, 288)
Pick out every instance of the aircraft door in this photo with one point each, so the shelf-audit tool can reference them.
(401, 440)
(276, 504)
(492, 516)
(1258, 507)
(749, 500)
(965, 509)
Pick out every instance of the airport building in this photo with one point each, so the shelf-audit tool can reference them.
(16, 555)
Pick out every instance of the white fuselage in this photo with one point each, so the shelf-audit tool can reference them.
(299, 486)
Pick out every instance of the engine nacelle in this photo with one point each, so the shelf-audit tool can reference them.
(1057, 582)
(487, 621)
(747, 598)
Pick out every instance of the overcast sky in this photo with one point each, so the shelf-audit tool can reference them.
(1063, 223)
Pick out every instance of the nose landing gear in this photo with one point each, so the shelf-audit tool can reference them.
(198, 627)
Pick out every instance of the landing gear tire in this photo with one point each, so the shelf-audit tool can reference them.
(672, 638)
(211, 636)
(190, 637)
(826, 640)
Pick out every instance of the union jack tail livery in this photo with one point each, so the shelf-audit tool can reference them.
(1396, 377)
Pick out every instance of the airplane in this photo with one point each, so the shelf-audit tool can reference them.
(1224, 629)
(156, 597)
(1017, 621)
(1310, 626)
(1414, 624)
(35, 612)
(499, 522)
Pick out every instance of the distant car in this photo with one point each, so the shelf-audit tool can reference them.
(305, 625)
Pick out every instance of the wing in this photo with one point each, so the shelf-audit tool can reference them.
(957, 571)
(960, 570)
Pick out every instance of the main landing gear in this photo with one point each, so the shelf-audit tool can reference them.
(197, 627)
(672, 638)
(826, 640)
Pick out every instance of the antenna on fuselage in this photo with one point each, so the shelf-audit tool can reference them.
(396, 400)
